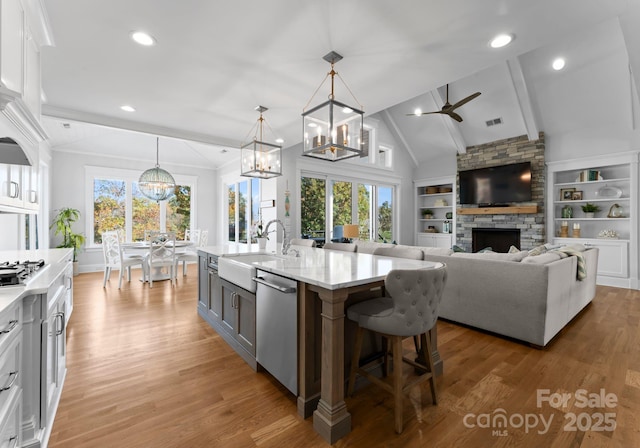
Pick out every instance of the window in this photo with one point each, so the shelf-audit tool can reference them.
(313, 208)
(118, 204)
(372, 208)
(244, 209)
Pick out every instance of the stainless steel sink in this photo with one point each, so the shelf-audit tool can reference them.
(239, 270)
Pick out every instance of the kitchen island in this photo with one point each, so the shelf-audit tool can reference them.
(328, 281)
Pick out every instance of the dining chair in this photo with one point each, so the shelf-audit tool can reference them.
(162, 253)
(345, 247)
(199, 238)
(306, 242)
(114, 258)
(409, 308)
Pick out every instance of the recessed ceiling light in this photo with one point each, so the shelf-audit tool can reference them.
(501, 40)
(312, 125)
(127, 108)
(279, 140)
(143, 38)
(347, 110)
(418, 111)
(558, 64)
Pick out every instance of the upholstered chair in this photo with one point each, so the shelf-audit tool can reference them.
(114, 258)
(346, 247)
(307, 242)
(410, 308)
(412, 253)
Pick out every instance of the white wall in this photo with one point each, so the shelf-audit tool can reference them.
(68, 190)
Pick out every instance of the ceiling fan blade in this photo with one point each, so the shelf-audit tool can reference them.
(465, 100)
(426, 113)
(455, 116)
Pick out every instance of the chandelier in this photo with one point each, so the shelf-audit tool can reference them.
(156, 183)
(258, 158)
(332, 130)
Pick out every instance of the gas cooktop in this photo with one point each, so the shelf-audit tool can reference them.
(18, 272)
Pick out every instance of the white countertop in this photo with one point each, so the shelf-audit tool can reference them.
(56, 261)
(329, 269)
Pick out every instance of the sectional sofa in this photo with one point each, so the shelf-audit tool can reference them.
(519, 295)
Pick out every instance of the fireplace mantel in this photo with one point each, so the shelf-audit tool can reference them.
(525, 209)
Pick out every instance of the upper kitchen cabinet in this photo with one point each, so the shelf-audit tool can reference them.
(12, 45)
(24, 31)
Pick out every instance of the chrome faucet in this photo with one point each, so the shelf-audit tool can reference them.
(286, 243)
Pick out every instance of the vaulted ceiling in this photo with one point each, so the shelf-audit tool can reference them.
(214, 62)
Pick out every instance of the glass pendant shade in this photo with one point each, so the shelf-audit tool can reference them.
(332, 130)
(258, 158)
(155, 183)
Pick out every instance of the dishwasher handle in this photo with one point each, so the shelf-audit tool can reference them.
(282, 289)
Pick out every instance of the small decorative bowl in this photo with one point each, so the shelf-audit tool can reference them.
(608, 233)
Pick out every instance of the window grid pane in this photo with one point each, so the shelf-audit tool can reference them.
(109, 202)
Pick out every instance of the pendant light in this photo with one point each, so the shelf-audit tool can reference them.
(258, 158)
(156, 183)
(332, 130)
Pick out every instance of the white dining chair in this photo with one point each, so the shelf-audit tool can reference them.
(114, 258)
(199, 238)
(162, 253)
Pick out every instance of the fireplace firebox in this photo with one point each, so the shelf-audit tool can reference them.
(499, 240)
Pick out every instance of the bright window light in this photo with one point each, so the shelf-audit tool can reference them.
(127, 108)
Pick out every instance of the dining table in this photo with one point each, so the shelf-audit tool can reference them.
(144, 248)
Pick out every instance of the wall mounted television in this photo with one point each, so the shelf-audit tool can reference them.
(496, 185)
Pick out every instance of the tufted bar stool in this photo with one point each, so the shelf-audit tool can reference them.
(410, 308)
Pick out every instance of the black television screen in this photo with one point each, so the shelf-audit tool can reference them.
(496, 185)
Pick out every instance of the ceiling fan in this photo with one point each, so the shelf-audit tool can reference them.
(448, 109)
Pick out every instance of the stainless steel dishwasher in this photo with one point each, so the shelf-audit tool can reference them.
(277, 327)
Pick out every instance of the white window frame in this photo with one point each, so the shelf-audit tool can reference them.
(225, 189)
(129, 176)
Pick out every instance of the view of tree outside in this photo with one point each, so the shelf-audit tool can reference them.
(242, 211)
(385, 214)
(146, 214)
(312, 206)
(109, 197)
(232, 212)
(179, 211)
(365, 208)
(342, 203)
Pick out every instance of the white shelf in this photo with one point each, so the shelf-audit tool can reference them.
(570, 184)
(584, 201)
(436, 206)
(434, 219)
(592, 219)
(438, 219)
(431, 195)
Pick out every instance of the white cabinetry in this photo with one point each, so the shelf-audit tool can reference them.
(12, 44)
(44, 360)
(435, 212)
(11, 375)
(611, 184)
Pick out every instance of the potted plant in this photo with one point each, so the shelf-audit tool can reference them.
(260, 235)
(62, 223)
(590, 209)
(427, 213)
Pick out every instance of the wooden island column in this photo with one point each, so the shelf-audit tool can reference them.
(331, 419)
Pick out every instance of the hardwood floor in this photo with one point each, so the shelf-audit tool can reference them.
(145, 371)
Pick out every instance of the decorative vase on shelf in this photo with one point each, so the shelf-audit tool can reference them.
(262, 243)
(567, 211)
(589, 214)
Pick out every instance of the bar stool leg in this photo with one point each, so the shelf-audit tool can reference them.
(397, 380)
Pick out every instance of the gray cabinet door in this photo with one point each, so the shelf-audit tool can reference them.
(215, 296)
(228, 314)
(246, 329)
(203, 291)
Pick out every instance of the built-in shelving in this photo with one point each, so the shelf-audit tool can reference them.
(437, 229)
(568, 223)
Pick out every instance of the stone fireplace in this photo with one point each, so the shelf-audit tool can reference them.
(499, 240)
(530, 226)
